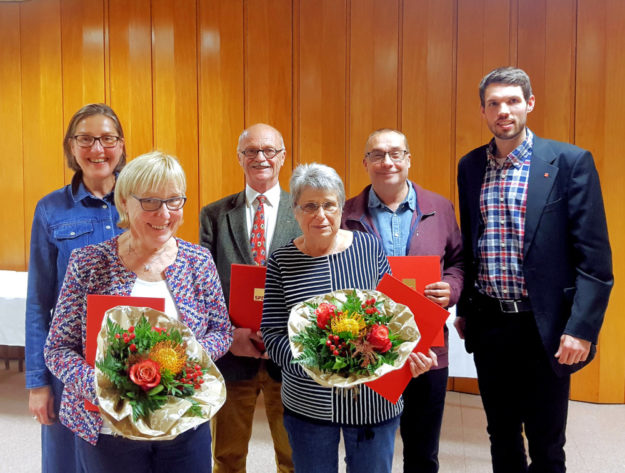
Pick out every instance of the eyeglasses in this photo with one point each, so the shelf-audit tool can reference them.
(313, 207)
(396, 155)
(152, 204)
(87, 141)
(269, 153)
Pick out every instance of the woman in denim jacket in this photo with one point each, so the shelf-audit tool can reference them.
(76, 215)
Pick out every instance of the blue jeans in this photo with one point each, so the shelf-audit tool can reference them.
(58, 454)
(316, 446)
(190, 452)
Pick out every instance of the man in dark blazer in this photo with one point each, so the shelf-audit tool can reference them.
(538, 274)
(225, 231)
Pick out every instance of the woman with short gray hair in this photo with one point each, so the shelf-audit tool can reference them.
(325, 259)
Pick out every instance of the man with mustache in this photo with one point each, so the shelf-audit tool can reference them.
(230, 229)
(538, 274)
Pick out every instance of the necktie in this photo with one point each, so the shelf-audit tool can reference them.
(257, 239)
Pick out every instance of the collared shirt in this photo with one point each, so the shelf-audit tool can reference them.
(503, 199)
(271, 210)
(393, 226)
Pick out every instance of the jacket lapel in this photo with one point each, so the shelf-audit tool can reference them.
(285, 223)
(237, 226)
(474, 186)
(541, 179)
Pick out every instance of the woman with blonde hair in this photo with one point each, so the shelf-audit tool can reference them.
(146, 260)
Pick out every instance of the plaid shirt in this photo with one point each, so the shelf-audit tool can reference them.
(503, 199)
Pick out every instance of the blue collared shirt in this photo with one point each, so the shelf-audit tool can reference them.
(65, 219)
(393, 227)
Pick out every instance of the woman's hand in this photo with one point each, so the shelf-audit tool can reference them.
(420, 363)
(41, 405)
(243, 343)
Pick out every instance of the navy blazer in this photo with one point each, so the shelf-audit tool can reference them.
(223, 230)
(567, 261)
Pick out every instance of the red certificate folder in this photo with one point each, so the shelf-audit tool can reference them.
(417, 272)
(97, 305)
(430, 318)
(247, 291)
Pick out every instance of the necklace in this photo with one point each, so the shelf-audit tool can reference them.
(147, 267)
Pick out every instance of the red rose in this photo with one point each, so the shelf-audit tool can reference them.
(378, 338)
(145, 374)
(324, 314)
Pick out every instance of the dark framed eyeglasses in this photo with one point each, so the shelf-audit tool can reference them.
(313, 207)
(396, 155)
(269, 153)
(152, 204)
(87, 141)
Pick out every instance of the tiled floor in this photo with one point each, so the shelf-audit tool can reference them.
(596, 436)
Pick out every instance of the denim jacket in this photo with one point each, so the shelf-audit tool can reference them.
(65, 219)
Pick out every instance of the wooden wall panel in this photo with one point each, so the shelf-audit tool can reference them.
(486, 40)
(221, 109)
(82, 49)
(546, 51)
(175, 102)
(600, 99)
(373, 79)
(130, 63)
(268, 69)
(42, 98)
(428, 92)
(321, 96)
(13, 236)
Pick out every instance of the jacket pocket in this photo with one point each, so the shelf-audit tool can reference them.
(72, 231)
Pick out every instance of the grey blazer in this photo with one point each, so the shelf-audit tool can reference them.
(223, 230)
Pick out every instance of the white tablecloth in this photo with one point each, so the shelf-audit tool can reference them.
(12, 307)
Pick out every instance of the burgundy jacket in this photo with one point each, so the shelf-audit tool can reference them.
(434, 231)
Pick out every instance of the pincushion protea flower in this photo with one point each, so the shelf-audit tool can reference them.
(169, 355)
(351, 322)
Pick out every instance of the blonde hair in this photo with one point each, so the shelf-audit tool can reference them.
(148, 172)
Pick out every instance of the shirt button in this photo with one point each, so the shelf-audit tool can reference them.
(504, 290)
(503, 266)
(72, 233)
(104, 206)
(396, 234)
(108, 227)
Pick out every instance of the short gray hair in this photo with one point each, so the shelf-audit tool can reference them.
(148, 172)
(316, 176)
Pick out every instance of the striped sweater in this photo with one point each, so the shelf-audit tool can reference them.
(293, 277)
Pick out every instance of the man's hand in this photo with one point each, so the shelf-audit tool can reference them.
(41, 405)
(460, 323)
(242, 343)
(420, 363)
(572, 350)
(439, 293)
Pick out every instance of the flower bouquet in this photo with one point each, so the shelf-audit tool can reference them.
(350, 337)
(153, 379)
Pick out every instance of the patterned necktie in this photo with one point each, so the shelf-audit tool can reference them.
(257, 239)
